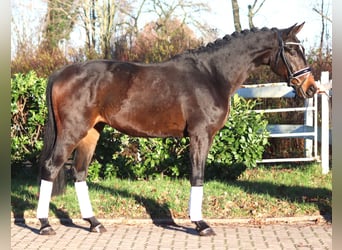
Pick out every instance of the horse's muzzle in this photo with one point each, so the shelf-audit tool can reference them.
(311, 91)
(305, 88)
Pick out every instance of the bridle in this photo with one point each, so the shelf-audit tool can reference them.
(293, 75)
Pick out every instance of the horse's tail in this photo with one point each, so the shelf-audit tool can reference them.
(50, 136)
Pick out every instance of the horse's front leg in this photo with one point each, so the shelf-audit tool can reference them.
(199, 148)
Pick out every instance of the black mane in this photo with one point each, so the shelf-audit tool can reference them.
(225, 40)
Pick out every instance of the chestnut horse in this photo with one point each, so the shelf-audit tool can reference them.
(187, 95)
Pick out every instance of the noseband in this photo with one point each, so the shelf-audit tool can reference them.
(293, 75)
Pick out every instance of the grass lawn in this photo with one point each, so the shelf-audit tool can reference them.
(263, 192)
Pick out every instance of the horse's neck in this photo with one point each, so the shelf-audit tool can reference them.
(235, 60)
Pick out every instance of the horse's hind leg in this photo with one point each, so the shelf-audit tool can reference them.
(51, 176)
(83, 155)
(51, 170)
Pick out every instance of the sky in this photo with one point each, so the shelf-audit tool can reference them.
(274, 13)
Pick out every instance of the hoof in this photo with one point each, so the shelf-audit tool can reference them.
(98, 229)
(204, 229)
(47, 231)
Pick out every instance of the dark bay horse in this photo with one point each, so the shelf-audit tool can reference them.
(187, 95)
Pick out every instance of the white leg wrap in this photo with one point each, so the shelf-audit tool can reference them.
(83, 199)
(44, 199)
(195, 203)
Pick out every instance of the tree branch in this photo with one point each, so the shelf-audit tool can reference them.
(323, 15)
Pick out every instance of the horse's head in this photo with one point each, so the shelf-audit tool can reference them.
(289, 62)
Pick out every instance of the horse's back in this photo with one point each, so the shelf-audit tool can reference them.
(134, 98)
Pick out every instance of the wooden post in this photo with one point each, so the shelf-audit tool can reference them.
(308, 121)
(325, 125)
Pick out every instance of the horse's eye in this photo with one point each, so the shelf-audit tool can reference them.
(292, 51)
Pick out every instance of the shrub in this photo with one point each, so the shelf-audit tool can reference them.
(240, 143)
(141, 158)
(28, 112)
(43, 61)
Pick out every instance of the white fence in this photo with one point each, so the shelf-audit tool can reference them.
(309, 130)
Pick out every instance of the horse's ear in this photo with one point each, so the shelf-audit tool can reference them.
(297, 28)
(293, 30)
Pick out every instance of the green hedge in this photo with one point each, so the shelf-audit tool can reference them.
(28, 113)
(239, 144)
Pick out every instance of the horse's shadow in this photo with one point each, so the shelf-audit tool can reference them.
(159, 213)
(19, 219)
(153, 208)
(19, 206)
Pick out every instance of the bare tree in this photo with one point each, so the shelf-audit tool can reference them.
(324, 20)
(100, 21)
(155, 44)
(26, 28)
(124, 42)
(186, 11)
(107, 26)
(252, 11)
(236, 15)
(168, 20)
